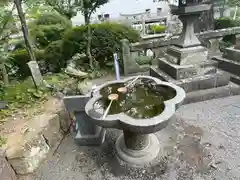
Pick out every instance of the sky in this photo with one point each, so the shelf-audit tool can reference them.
(115, 7)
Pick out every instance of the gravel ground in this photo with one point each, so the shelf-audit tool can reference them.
(201, 143)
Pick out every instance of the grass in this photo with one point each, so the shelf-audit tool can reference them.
(20, 95)
(3, 141)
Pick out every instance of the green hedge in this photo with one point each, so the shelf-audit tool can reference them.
(105, 40)
(226, 22)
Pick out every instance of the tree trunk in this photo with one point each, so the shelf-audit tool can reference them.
(22, 18)
(89, 39)
(4, 74)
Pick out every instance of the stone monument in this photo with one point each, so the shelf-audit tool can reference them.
(186, 62)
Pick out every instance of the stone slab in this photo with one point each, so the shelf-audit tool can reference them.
(186, 71)
(26, 151)
(227, 65)
(6, 171)
(194, 83)
(232, 54)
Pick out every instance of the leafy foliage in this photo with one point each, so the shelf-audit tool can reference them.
(226, 22)
(234, 3)
(158, 29)
(54, 59)
(105, 40)
(48, 27)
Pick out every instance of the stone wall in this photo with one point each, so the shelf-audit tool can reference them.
(41, 135)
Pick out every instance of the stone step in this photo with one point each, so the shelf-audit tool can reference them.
(235, 79)
(197, 83)
(227, 65)
(231, 89)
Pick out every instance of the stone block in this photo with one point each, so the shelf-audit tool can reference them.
(6, 171)
(26, 151)
(187, 71)
(186, 56)
(87, 133)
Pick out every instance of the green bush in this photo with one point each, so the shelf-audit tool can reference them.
(50, 18)
(226, 22)
(19, 58)
(158, 29)
(47, 28)
(54, 59)
(105, 40)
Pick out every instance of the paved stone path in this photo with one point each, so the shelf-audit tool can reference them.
(201, 143)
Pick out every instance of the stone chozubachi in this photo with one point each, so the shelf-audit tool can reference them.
(144, 109)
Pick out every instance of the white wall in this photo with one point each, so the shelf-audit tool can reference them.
(115, 7)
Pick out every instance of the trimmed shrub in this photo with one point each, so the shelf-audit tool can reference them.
(19, 58)
(106, 39)
(158, 29)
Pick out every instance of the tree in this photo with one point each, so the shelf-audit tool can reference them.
(234, 3)
(88, 8)
(22, 19)
(6, 24)
(68, 8)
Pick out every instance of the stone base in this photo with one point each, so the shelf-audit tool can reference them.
(137, 158)
(91, 140)
(186, 71)
(186, 56)
(232, 54)
(230, 66)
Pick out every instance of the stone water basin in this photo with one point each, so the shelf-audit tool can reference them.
(145, 108)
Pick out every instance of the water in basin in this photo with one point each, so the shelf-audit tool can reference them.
(143, 100)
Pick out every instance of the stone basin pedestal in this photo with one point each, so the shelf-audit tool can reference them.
(137, 146)
(137, 149)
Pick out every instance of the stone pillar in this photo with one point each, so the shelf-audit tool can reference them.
(188, 37)
(143, 25)
(6, 171)
(87, 133)
(137, 149)
(136, 141)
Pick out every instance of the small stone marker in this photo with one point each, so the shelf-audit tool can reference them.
(36, 74)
